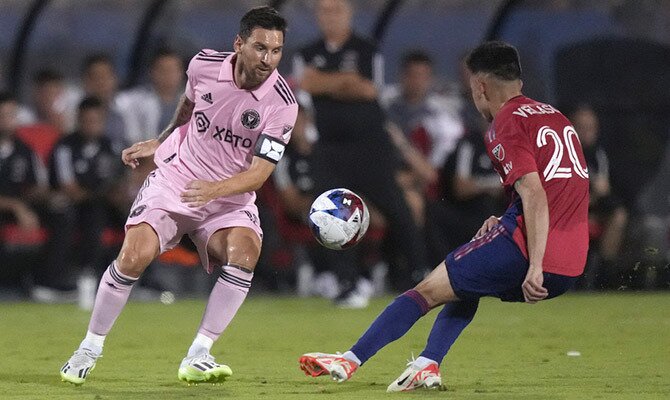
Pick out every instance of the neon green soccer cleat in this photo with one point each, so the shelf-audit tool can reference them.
(202, 368)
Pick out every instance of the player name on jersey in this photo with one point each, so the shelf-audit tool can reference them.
(525, 111)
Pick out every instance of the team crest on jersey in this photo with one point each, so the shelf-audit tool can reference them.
(251, 119)
(499, 152)
(137, 211)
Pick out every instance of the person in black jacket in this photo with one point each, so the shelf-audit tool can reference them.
(342, 72)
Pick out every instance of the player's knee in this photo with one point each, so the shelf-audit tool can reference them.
(428, 292)
(244, 252)
(243, 257)
(133, 262)
(436, 288)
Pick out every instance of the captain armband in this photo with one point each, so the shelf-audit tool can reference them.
(269, 148)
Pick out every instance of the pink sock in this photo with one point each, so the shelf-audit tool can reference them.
(112, 296)
(226, 298)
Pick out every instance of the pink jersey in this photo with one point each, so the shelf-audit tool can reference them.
(229, 125)
(528, 136)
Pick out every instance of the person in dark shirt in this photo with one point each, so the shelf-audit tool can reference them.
(471, 189)
(342, 71)
(19, 171)
(84, 170)
(22, 184)
(607, 215)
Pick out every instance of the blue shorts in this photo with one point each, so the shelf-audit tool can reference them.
(494, 266)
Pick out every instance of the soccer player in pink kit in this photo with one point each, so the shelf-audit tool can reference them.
(535, 251)
(229, 131)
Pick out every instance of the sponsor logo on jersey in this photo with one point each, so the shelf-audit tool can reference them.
(499, 152)
(226, 135)
(207, 97)
(201, 121)
(251, 119)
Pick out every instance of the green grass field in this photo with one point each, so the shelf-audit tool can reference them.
(510, 351)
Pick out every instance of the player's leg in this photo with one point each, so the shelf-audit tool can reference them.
(140, 246)
(237, 249)
(391, 324)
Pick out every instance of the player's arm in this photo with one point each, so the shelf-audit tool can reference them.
(182, 115)
(536, 218)
(347, 86)
(199, 193)
(414, 159)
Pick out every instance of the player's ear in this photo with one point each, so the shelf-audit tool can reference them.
(237, 44)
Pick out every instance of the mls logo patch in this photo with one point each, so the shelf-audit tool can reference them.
(499, 152)
(287, 130)
(251, 119)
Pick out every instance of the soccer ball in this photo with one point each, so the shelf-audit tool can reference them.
(339, 218)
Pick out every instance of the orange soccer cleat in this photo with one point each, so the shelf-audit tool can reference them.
(316, 364)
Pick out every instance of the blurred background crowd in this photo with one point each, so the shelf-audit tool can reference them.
(81, 79)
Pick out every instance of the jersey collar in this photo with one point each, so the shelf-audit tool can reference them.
(226, 74)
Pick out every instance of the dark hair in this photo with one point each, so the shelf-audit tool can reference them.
(164, 52)
(45, 76)
(89, 103)
(264, 17)
(97, 58)
(415, 57)
(498, 58)
(7, 97)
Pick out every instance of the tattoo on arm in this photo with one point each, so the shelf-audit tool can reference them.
(181, 116)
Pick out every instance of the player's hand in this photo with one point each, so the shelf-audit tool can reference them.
(532, 288)
(489, 224)
(199, 193)
(132, 154)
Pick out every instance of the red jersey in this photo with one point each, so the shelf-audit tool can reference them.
(527, 136)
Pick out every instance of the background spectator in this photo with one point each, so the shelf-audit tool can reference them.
(84, 171)
(22, 182)
(342, 72)
(147, 109)
(607, 215)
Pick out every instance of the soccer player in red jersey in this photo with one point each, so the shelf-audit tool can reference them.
(535, 251)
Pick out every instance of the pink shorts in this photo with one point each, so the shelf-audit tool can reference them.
(158, 204)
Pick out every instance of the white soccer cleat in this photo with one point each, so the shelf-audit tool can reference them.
(416, 378)
(316, 364)
(79, 366)
(202, 368)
